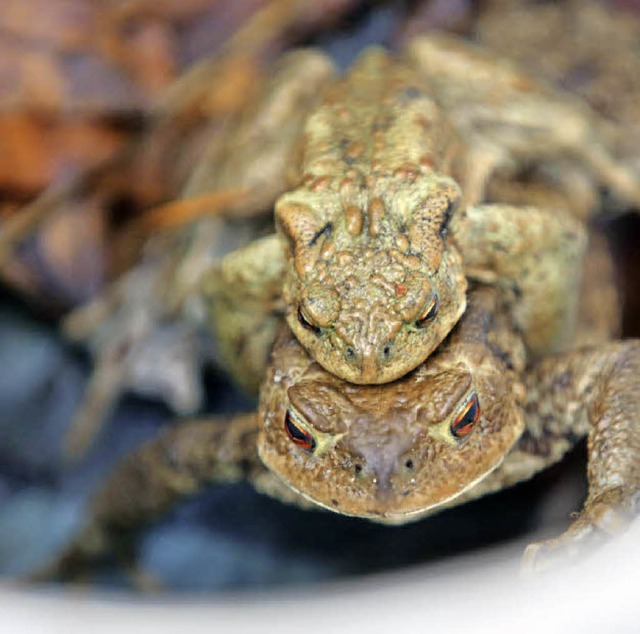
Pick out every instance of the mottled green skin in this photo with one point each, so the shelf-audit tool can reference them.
(395, 201)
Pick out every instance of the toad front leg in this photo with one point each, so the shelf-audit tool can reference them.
(593, 392)
(153, 479)
(243, 304)
(536, 253)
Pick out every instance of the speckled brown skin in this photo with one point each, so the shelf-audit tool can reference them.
(390, 211)
(367, 228)
(593, 393)
(382, 427)
(369, 235)
(387, 453)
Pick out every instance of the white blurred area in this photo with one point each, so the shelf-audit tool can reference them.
(478, 593)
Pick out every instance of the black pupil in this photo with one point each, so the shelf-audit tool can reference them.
(299, 436)
(306, 323)
(431, 314)
(469, 416)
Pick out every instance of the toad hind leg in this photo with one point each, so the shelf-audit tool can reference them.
(594, 391)
(535, 252)
(153, 479)
(510, 119)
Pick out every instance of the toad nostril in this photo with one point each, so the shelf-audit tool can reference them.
(386, 351)
(409, 464)
(357, 468)
(350, 354)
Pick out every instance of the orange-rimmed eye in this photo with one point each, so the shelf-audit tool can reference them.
(298, 434)
(307, 323)
(467, 418)
(428, 313)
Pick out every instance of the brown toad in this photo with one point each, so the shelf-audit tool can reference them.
(471, 420)
(371, 259)
(390, 210)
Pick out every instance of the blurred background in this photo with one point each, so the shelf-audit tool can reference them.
(98, 126)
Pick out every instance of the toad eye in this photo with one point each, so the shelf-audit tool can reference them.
(428, 313)
(297, 433)
(307, 323)
(467, 418)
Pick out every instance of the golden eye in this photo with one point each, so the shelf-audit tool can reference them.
(467, 418)
(428, 313)
(298, 434)
(307, 323)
